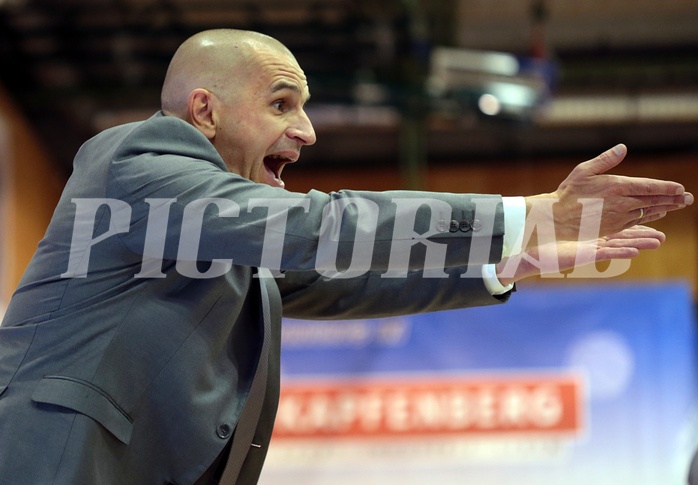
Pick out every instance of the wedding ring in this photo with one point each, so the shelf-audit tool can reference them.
(642, 213)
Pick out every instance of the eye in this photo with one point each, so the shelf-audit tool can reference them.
(279, 105)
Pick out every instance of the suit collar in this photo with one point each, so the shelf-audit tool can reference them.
(162, 134)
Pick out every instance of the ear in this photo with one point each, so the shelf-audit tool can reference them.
(201, 110)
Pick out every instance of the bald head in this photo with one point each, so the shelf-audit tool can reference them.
(212, 60)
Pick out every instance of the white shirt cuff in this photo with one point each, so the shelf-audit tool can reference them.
(514, 224)
(489, 277)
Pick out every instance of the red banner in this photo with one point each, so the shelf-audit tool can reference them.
(484, 405)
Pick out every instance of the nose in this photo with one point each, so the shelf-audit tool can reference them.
(302, 130)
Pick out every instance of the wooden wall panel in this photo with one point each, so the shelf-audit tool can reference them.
(31, 188)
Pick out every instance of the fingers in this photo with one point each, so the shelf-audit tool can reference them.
(669, 202)
(606, 161)
(640, 243)
(605, 254)
(644, 187)
(656, 207)
(631, 186)
(637, 231)
(617, 253)
(628, 243)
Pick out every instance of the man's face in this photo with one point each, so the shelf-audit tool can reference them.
(262, 124)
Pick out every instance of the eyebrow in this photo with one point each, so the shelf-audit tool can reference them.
(281, 85)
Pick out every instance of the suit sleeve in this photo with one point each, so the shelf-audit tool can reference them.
(308, 295)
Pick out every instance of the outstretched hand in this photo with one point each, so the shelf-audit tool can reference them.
(627, 201)
(551, 259)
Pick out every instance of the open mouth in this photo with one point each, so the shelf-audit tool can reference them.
(274, 164)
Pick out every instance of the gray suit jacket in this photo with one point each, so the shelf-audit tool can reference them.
(111, 378)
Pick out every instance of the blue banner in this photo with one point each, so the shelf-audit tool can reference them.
(574, 385)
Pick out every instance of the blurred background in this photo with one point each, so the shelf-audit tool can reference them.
(485, 96)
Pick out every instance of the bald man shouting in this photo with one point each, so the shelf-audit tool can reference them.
(142, 344)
